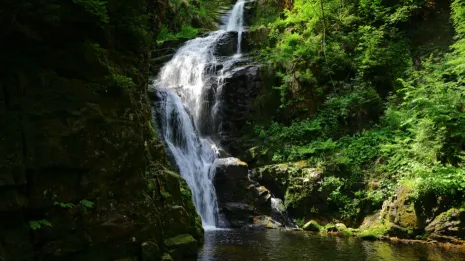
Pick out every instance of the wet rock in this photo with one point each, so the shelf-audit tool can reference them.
(279, 177)
(227, 45)
(232, 189)
(238, 214)
(239, 89)
(279, 212)
(262, 199)
(265, 222)
(182, 246)
(240, 199)
(312, 225)
(296, 183)
(231, 179)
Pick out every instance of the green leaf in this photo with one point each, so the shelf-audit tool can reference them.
(87, 203)
(34, 224)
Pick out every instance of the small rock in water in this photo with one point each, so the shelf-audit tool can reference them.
(312, 225)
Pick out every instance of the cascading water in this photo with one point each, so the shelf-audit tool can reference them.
(236, 22)
(184, 111)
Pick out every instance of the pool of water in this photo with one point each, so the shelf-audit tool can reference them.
(241, 245)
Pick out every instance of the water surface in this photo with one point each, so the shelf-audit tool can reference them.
(241, 245)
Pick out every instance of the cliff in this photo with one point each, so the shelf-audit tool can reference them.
(82, 173)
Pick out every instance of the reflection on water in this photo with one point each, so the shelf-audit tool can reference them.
(240, 245)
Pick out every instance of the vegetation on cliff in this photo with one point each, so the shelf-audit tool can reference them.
(372, 92)
(187, 18)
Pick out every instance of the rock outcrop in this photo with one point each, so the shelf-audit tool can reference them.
(295, 183)
(244, 203)
(244, 100)
(406, 216)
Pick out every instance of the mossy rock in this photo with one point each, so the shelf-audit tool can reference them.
(366, 235)
(312, 225)
(373, 231)
(182, 246)
(330, 228)
(341, 227)
(166, 257)
(449, 223)
(401, 210)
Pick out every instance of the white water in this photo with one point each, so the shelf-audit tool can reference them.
(184, 111)
(236, 22)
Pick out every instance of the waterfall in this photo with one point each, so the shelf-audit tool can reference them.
(185, 111)
(236, 22)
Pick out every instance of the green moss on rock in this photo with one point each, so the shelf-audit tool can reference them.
(166, 257)
(448, 223)
(312, 225)
(182, 246)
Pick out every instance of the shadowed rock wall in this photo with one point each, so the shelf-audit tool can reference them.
(78, 154)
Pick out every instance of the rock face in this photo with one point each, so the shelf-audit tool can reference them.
(244, 203)
(82, 175)
(449, 223)
(296, 183)
(406, 216)
(240, 104)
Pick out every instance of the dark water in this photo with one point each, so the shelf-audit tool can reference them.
(240, 245)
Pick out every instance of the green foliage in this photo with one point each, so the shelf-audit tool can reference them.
(354, 104)
(186, 32)
(96, 8)
(121, 81)
(63, 205)
(86, 203)
(188, 18)
(37, 224)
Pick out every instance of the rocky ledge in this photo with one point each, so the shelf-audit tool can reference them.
(243, 203)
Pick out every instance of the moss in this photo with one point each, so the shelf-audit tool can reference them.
(346, 233)
(330, 228)
(166, 257)
(182, 246)
(374, 231)
(180, 240)
(312, 225)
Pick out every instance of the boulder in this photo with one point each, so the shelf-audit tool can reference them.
(241, 200)
(312, 225)
(449, 223)
(260, 222)
(340, 227)
(279, 177)
(231, 179)
(296, 183)
(182, 246)
(400, 210)
(238, 214)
